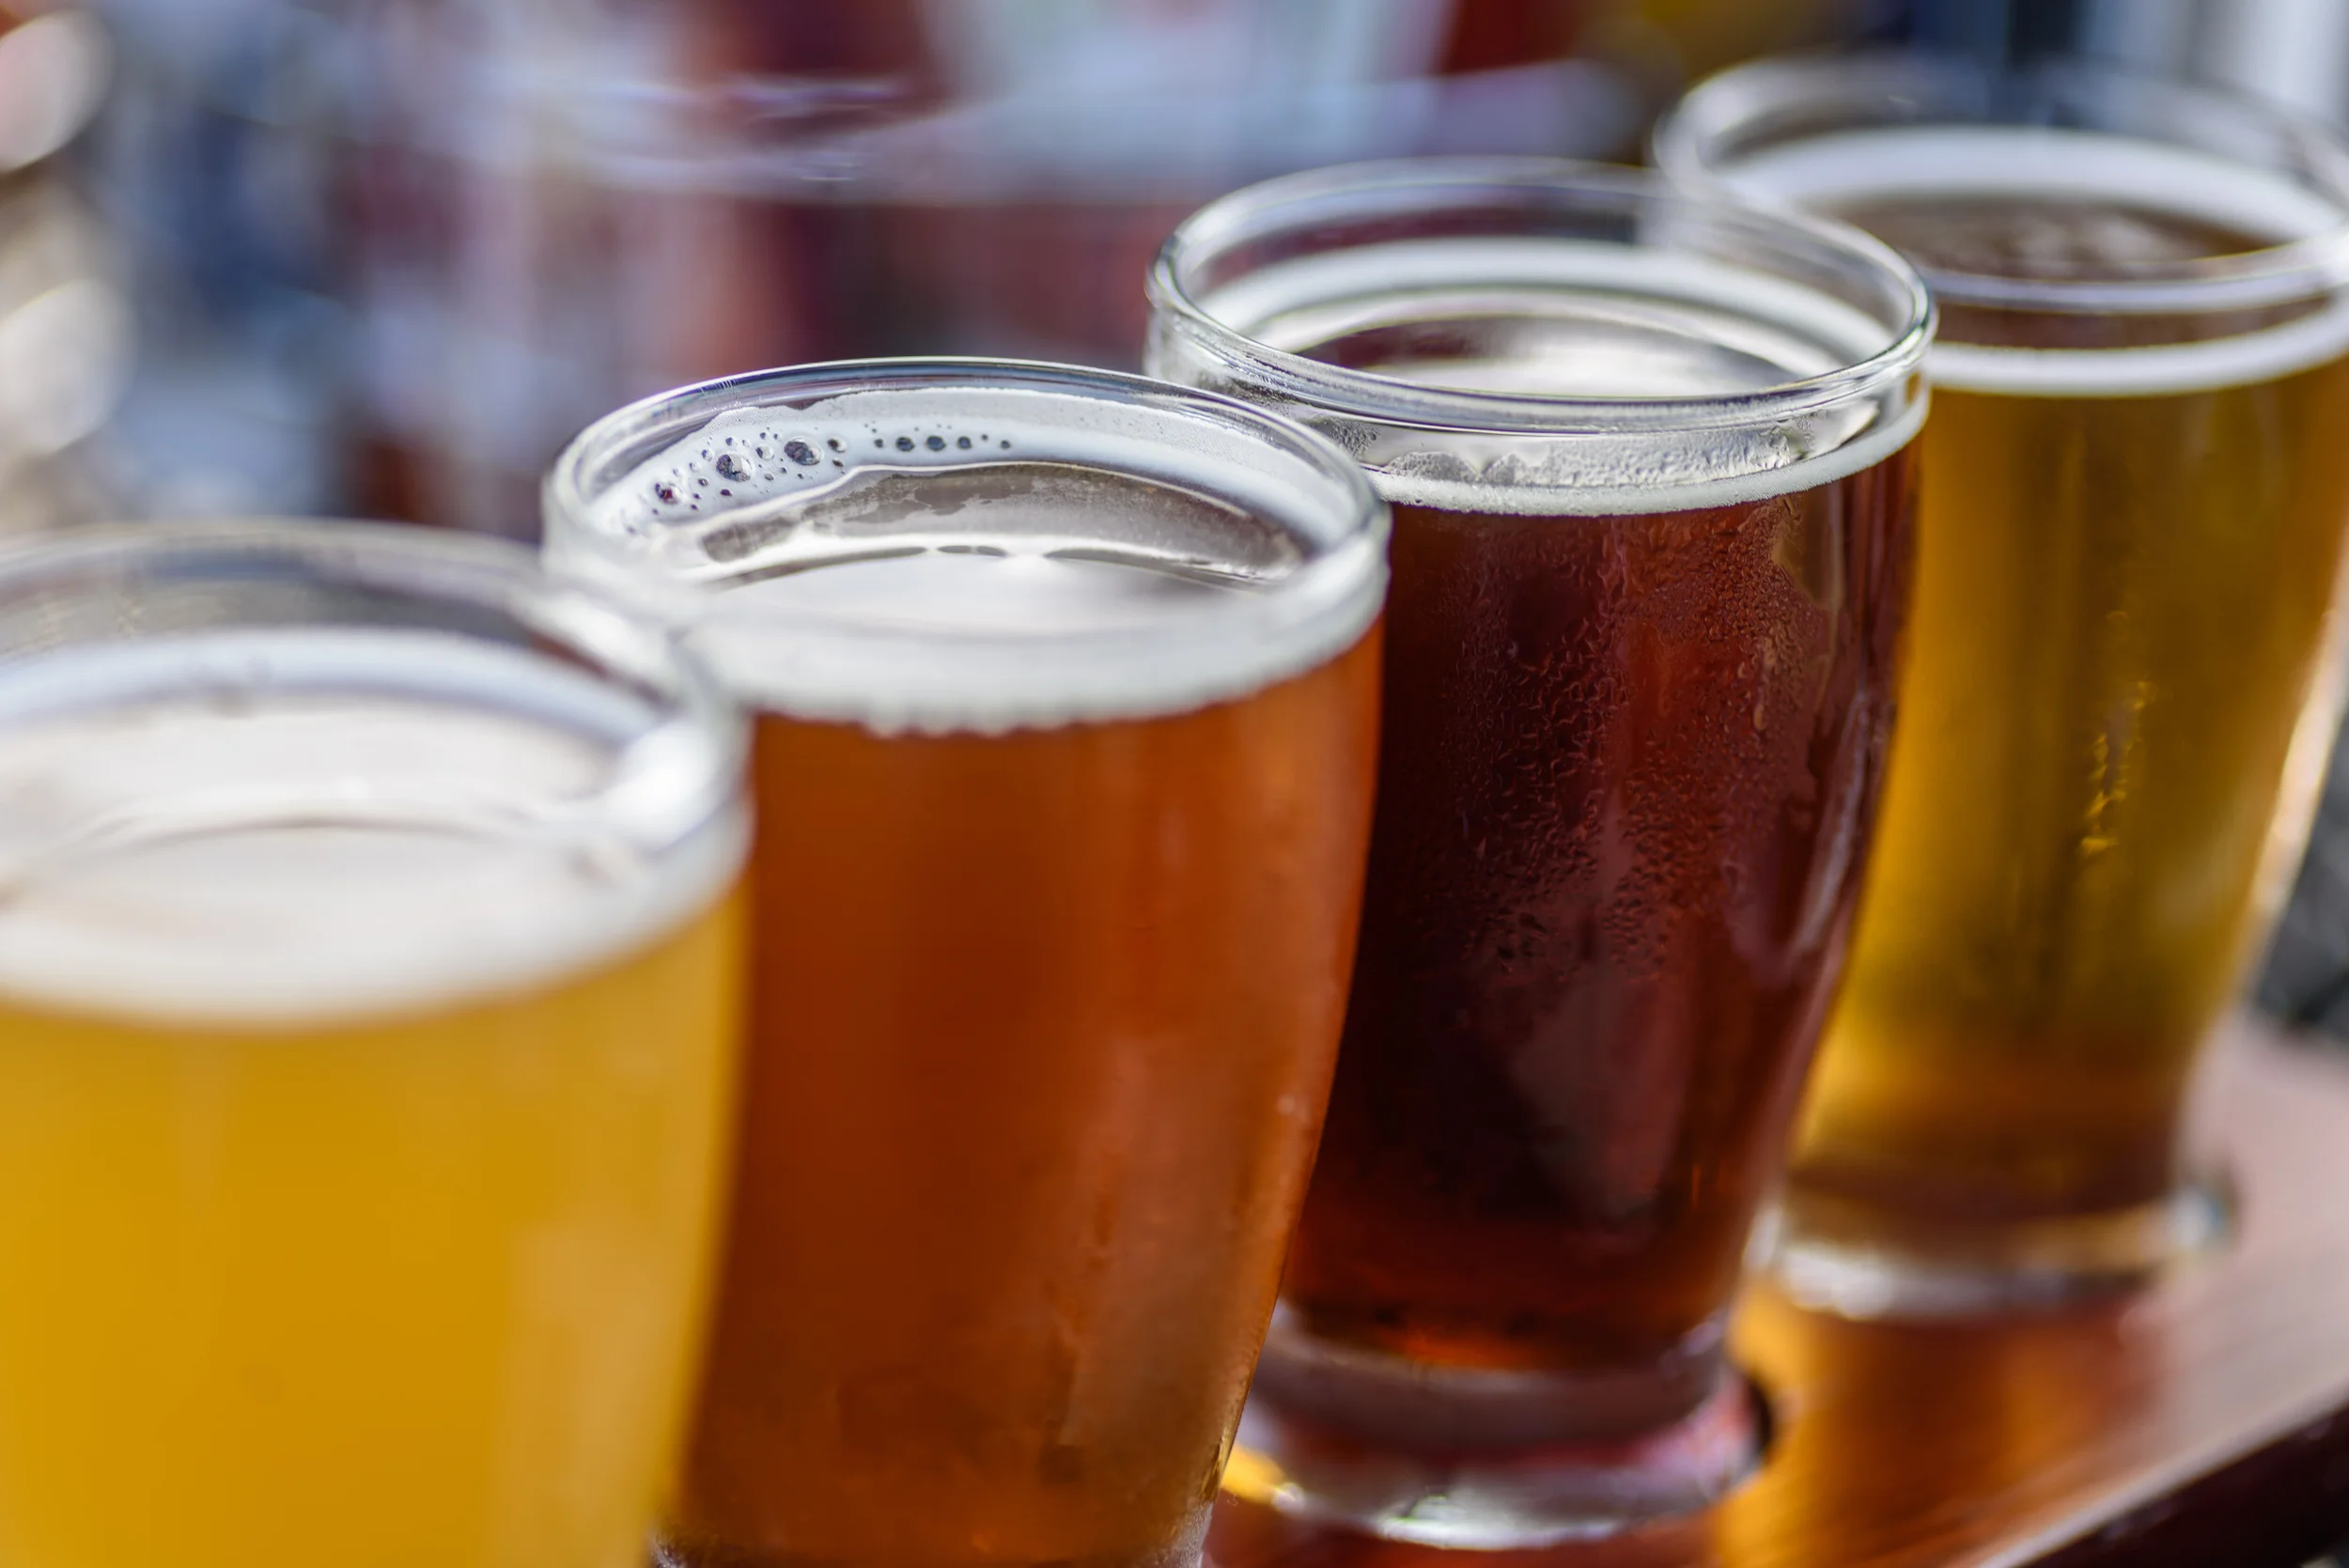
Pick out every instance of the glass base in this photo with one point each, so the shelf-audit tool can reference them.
(1490, 1460)
(1835, 1256)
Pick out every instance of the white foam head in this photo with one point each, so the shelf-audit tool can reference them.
(2051, 163)
(314, 826)
(964, 547)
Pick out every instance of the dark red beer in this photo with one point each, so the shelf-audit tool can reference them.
(1649, 463)
(1629, 765)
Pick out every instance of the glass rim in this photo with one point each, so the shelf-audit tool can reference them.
(1686, 147)
(1253, 212)
(894, 678)
(568, 492)
(679, 776)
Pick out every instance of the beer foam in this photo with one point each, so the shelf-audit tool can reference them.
(2049, 162)
(947, 559)
(1625, 325)
(313, 828)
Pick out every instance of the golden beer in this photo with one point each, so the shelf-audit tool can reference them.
(367, 1031)
(2120, 679)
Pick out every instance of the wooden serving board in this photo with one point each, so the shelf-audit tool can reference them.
(2203, 1423)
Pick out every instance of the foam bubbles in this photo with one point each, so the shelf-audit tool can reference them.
(751, 456)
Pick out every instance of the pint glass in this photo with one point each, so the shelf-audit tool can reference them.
(1649, 464)
(368, 975)
(2123, 684)
(1068, 703)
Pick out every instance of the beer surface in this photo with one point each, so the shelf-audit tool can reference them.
(986, 587)
(358, 1115)
(1630, 766)
(2050, 238)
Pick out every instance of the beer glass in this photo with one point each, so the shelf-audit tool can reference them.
(368, 975)
(1649, 461)
(1066, 687)
(2122, 681)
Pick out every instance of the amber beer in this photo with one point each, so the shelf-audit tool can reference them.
(1068, 715)
(368, 981)
(2126, 644)
(1641, 652)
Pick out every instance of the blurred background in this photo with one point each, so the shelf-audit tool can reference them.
(384, 257)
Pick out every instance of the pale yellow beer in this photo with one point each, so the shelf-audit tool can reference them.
(366, 1033)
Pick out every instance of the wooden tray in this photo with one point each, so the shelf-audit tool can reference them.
(2206, 1422)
